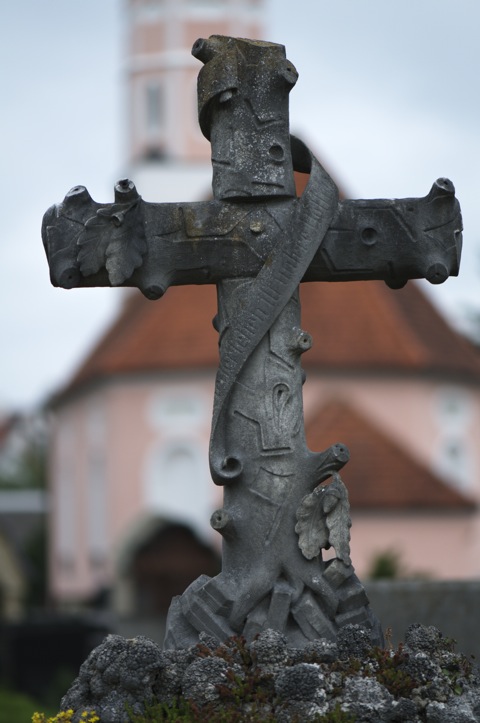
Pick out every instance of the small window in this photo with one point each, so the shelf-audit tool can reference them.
(178, 410)
(148, 10)
(453, 407)
(154, 107)
(454, 463)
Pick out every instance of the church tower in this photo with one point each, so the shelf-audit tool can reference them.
(169, 159)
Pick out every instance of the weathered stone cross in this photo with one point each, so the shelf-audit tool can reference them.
(257, 241)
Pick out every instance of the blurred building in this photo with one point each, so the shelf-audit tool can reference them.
(23, 511)
(386, 375)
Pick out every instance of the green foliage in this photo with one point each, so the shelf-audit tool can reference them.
(176, 712)
(458, 669)
(15, 707)
(36, 552)
(246, 696)
(337, 715)
(385, 566)
(30, 471)
(390, 673)
(181, 711)
(383, 665)
(60, 681)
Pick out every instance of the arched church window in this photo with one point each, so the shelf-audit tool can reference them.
(175, 482)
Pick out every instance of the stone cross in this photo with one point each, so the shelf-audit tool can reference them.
(283, 504)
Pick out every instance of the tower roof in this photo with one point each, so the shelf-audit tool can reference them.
(356, 326)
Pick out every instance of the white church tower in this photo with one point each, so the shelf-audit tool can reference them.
(169, 159)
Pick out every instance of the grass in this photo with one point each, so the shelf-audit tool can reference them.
(16, 707)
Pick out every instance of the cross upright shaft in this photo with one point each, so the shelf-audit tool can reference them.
(258, 242)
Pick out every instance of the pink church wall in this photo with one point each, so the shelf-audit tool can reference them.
(129, 432)
(436, 546)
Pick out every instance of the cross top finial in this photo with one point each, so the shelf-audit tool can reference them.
(243, 94)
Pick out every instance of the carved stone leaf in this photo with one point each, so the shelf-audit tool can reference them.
(311, 526)
(338, 519)
(113, 239)
(93, 241)
(124, 255)
(324, 521)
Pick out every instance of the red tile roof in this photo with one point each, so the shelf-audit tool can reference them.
(356, 326)
(173, 333)
(366, 325)
(380, 473)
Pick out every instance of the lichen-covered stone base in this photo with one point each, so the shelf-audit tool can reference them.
(266, 680)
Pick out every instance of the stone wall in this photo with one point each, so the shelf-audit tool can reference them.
(452, 607)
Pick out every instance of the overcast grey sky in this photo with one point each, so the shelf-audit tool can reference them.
(387, 97)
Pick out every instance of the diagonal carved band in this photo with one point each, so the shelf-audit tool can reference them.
(271, 290)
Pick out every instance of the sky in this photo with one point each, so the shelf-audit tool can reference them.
(387, 97)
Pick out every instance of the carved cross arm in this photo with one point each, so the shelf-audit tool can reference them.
(153, 246)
